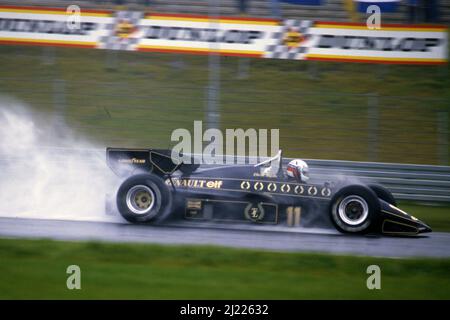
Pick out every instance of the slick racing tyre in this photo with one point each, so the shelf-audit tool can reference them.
(144, 198)
(355, 209)
(383, 193)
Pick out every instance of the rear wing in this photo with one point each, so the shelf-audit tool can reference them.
(126, 162)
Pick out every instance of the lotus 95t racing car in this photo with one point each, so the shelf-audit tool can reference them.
(155, 188)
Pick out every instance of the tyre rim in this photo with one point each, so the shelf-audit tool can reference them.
(353, 210)
(140, 199)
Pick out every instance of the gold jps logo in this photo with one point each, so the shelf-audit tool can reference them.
(286, 188)
(197, 183)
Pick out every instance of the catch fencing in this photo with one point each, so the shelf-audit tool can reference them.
(313, 124)
(373, 137)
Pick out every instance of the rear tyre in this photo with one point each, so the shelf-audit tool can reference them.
(144, 198)
(383, 193)
(355, 209)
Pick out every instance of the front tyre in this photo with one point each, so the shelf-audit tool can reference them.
(355, 209)
(144, 198)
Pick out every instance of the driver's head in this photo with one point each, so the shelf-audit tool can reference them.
(298, 169)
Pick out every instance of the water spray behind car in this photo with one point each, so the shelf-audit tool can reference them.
(48, 172)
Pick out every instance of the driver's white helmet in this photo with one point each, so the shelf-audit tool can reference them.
(298, 169)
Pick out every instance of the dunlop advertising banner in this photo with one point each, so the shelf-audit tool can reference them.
(50, 26)
(232, 36)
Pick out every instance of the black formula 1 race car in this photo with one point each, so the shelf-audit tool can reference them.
(155, 188)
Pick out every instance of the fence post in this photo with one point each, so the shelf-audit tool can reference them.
(243, 67)
(112, 59)
(48, 55)
(442, 136)
(372, 126)
(382, 71)
(213, 88)
(59, 103)
(212, 94)
(313, 68)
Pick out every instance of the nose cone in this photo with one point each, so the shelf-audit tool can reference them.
(397, 221)
(423, 227)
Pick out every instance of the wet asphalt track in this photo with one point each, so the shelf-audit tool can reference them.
(436, 244)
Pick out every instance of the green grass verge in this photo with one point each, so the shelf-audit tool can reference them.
(36, 269)
(321, 109)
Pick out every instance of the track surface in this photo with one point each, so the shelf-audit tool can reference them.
(280, 239)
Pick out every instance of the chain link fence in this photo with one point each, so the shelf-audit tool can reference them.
(319, 125)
